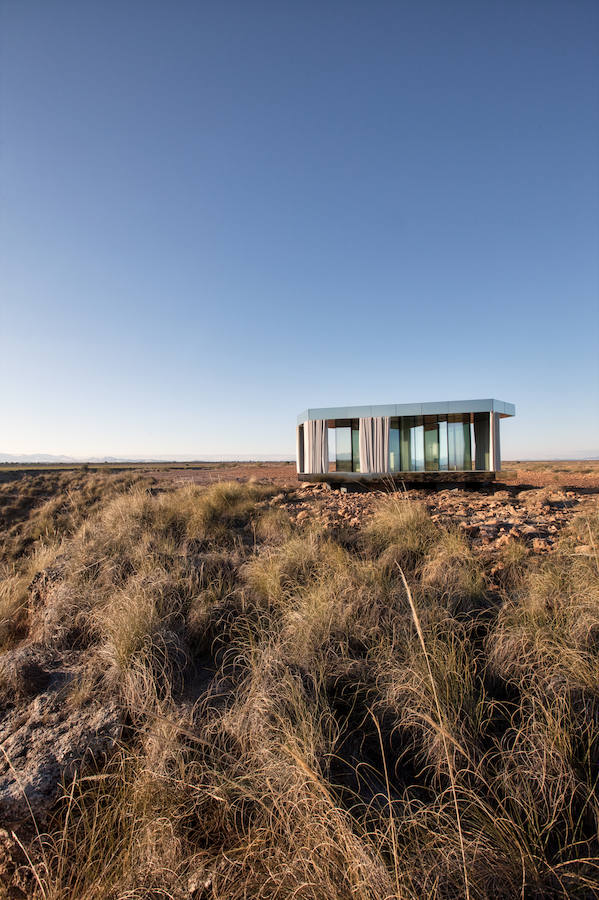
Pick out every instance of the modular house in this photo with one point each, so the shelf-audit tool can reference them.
(456, 440)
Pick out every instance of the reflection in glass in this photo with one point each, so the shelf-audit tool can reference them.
(469, 429)
(355, 444)
(443, 448)
(405, 423)
(431, 444)
(458, 440)
(417, 445)
(331, 439)
(343, 448)
(394, 453)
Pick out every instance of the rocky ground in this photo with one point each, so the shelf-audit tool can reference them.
(491, 518)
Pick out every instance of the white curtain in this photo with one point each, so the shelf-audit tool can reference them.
(298, 447)
(374, 444)
(316, 446)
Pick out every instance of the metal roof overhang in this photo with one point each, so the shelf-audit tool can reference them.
(443, 408)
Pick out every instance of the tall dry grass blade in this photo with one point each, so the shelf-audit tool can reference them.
(420, 633)
(593, 545)
(390, 805)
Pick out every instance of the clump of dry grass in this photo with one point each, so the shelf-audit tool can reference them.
(274, 526)
(547, 631)
(13, 609)
(514, 558)
(317, 719)
(454, 575)
(402, 532)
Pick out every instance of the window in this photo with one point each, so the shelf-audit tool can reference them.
(331, 439)
(443, 445)
(394, 451)
(431, 444)
(482, 443)
(343, 448)
(417, 444)
(355, 444)
(458, 440)
(405, 423)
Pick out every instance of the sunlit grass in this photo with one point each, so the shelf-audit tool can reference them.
(312, 718)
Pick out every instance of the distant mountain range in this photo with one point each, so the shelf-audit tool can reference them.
(50, 458)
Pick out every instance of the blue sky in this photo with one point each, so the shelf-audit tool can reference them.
(216, 214)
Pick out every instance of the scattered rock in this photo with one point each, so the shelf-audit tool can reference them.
(44, 742)
(484, 517)
(23, 673)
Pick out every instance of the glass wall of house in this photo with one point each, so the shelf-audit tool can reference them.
(405, 424)
(416, 443)
(482, 440)
(394, 445)
(344, 445)
(355, 444)
(331, 440)
(443, 444)
(459, 442)
(430, 443)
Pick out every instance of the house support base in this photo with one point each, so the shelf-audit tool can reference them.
(397, 479)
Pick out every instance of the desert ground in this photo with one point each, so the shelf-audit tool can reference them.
(218, 683)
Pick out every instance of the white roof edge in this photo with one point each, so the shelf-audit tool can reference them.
(408, 409)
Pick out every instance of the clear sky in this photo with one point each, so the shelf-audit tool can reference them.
(217, 214)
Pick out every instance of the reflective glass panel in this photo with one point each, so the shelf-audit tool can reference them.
(443, 448)
(343, 453)
(458, 441)
(405, 424)
(417, 445)
(431, 444)
(332, 463)
(394, 454)
(355, 446)
(468, 441)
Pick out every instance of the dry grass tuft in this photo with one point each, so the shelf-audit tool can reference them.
(303, 719)
(402, 532)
